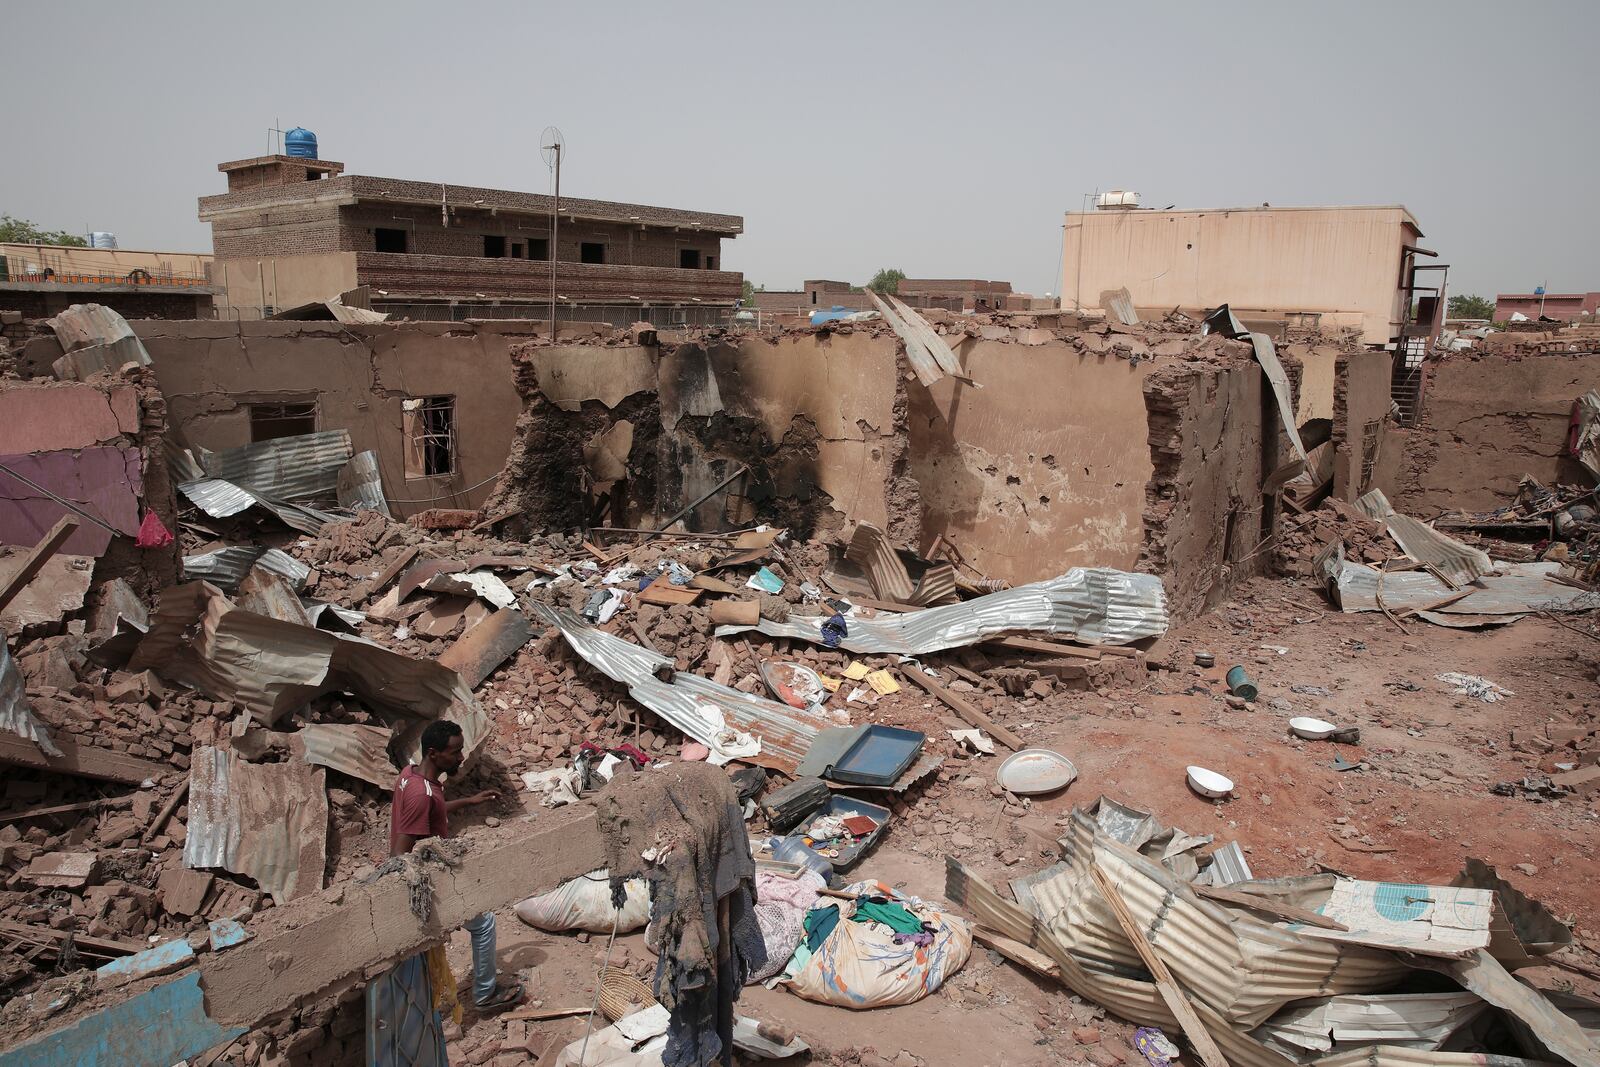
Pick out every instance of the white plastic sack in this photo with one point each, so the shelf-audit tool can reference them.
(584, 903)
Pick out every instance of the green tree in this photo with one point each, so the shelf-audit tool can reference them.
(887, 280)
(21, 231)
(1463, 306)
(750, 291)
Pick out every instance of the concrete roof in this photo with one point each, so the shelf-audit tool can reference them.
(1259, 207)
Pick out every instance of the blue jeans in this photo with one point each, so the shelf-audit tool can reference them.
(483, 944)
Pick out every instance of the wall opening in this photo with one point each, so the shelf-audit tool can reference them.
(516, 249)
(711, 263)
(591, 252)
(494, 246)
(269, 422)
(387, 240)
(689, 258)
(538, 248)
(430, 435)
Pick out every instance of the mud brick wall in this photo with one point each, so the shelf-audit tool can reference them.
(1486, 421)
(1040, 469)
(1203, 510)
(1365, 445)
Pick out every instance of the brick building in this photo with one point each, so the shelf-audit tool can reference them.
(42, 280)
(959, 294)
(1568, 307)
(291, 231)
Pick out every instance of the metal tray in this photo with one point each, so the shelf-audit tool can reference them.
(1036, 770)
(847, 806)
(880, 756)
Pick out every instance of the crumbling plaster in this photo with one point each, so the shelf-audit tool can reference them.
(1488, 420)
(1039, 468)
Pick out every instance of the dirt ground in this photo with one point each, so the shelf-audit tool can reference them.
(1418, 806)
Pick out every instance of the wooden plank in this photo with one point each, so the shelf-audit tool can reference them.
(712, 584)
(1028, 644)
(666, 594)
(109, 948)
(1171, 992)
(971, 714)
(393, 570)
(65, 809)
(37, 557)
(1018, 953)
(81, 760)
(159, 823)
(1268, 905)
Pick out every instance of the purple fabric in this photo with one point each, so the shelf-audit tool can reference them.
(104, 481)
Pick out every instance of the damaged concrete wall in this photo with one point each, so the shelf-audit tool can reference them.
(1486, 421)
(1361, 423)
(819, 418)
(1314, 398)
(1203, 512)
(358, 376)
(1039, 469)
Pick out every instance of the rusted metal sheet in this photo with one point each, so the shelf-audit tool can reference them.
(487, 645)
(871, 551)
(1456, 561)
(1095, 605)
(689, 702)
(200, 638)
(266, 821)
(414, 578)
(923, 363)
(55, 592)
(221, 499)
(356, 749)
(1521, 588)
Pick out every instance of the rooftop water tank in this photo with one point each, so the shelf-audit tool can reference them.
(1119, 200)
(300, 143)
(102, 239)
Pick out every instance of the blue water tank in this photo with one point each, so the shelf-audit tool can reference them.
(300, 143)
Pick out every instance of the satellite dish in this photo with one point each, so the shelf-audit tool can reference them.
(551, 145)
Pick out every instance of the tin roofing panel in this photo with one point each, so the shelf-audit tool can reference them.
(286, 468)
(266, 821)
(1093, 605)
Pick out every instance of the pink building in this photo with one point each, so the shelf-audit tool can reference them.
(1563, 306)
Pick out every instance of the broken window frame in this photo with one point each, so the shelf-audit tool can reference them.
(269, 422)
(429, 428)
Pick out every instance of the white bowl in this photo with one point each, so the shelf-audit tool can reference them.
(1311, 729)
(1209, 783)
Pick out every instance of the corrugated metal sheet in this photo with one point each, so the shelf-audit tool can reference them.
(785, 733)
(1228, 865)
(1119, 302)
(226, 567)
(221, 499)
(1094, 605)
(16, 714)
(360, 484)
(265, 821)
(1418, 1020)
(286, 468)
(83, 325)
(1456, 561)
(923, 363)
(1524, 587)
(1127, 992)
(870, 550)
(199, 638)
(356, 749)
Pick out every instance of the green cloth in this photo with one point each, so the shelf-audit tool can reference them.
(889, 913)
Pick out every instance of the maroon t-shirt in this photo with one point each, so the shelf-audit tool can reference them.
(418, 807)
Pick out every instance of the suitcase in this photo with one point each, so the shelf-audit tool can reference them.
(786, 807)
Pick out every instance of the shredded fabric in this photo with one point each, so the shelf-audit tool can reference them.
(782, 905)
(446, 999)
(1471, 685)
(681, 829)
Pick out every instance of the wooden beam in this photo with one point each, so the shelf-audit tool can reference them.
(1268, 905)
(81, 760)
(1177, 1000)
(65, 809)
(971, 714)
(392, 571)
(1028, 644)
(37, 557)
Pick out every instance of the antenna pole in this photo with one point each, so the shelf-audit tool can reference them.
(555, 233)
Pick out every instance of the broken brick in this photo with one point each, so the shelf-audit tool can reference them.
(66, 870)
(183, 891)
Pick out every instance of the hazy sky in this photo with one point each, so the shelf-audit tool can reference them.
(945, 139)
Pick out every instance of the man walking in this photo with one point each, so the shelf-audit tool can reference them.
(419, 810)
